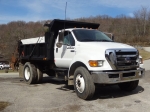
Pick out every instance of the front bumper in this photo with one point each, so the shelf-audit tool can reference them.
(112, 77)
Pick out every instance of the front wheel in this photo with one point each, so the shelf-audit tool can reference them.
(83, 83)
(128, 86)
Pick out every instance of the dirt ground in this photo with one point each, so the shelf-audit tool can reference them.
(55, 96)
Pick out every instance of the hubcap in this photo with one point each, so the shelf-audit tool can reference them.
(27, 73)
(80, 83)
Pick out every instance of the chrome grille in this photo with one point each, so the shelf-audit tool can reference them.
(122, 59)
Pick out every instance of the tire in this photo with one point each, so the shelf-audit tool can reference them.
(30, 73)
(128, 86)
(39, 75)
(83, 83)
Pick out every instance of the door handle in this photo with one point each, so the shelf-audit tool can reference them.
(56, 50)
(72, 50)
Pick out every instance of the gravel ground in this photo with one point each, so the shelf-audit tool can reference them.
(54, 96)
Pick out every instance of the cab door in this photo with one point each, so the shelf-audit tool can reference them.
(65, 54)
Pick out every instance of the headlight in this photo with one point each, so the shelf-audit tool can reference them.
(96, 63)
(140, 60)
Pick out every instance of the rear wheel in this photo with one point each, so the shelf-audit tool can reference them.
(128, 86)
(83, 83)
(30, 73)
(39, 75)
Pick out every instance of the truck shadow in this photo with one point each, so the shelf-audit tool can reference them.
(107, 92)
(62, 83)
(53, 80)
(113, 91)
(101, 92)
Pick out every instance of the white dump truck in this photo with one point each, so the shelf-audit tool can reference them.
(80, 54)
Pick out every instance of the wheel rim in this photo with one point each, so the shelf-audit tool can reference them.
(80, 83)
(27, 73)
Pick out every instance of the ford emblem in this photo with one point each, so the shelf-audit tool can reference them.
(128, 60)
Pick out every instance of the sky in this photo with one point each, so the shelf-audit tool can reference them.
(39, 10)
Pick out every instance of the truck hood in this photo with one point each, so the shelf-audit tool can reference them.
(105, 45)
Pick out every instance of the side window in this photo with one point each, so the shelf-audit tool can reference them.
(68, 39)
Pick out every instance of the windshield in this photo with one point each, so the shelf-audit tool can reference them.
(84, 35)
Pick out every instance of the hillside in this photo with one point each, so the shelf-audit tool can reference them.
(133, 31)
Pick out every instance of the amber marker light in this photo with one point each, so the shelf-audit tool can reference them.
(44, 58)
(93, 63)
(96, 63)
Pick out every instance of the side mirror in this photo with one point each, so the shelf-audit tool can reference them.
(58, 44)
(60, 39)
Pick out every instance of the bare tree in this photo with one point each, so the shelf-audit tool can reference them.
(141, 17)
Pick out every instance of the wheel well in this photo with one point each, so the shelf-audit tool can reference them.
(74, 66)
